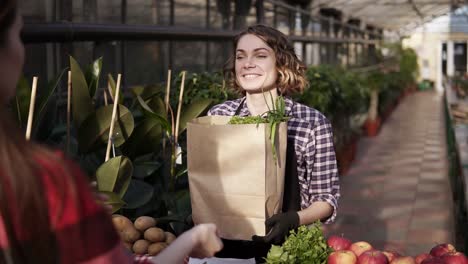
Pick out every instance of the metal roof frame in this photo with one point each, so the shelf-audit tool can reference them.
(397, 15)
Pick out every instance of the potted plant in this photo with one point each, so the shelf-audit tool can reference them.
(374, 82)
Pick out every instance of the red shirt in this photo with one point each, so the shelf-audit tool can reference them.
(83, 229)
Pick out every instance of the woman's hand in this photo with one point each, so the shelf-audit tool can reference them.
(202, 241)
(207, 241)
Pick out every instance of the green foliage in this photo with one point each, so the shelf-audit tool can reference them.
(375, 80)
(306, 246)
(92, 73)
(82, 105)
(114, 176)
(338, 94)
(203, 86)
(22, 101)
(409, 65)
(94, 131)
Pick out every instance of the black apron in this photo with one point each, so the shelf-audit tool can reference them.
(243, 249)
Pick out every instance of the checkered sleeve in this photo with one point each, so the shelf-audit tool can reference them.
(322, 167)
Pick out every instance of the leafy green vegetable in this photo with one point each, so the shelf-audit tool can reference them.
(273, 117)
(306, 246)
(242, 120)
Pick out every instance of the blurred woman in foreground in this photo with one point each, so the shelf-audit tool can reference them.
(47, 211)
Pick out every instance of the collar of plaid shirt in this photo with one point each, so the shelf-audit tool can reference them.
(244, 110)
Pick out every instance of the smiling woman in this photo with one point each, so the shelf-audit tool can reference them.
(255, 65)
(264, 65)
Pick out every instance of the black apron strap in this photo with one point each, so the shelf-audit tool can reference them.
(291, 194)
(241, 104)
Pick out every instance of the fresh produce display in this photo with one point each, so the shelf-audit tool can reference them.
(363, 252)
(306, 246)
(142, 237)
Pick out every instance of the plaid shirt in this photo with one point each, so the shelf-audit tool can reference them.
(313, 142)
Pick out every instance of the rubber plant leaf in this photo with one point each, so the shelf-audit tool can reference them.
(115, 175)
(82, 105)
(192, 111)
(113, 87)
(94, 131)
(151, 114)
(138, 194)
(92, 73)
(146, 138)
(113, 200)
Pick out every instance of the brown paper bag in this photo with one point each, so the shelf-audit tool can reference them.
(234, 179)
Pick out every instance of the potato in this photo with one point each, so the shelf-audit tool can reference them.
(155, 248)
(130, 234)
(121, 222)
(144, 222)
(169, 237)
(141, 247)
(154, 234)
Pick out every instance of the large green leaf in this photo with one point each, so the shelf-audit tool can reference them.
(92, 73)
(82, 105)
(138, 194)
(145, 169)
(115, 175)
(157, 105)
(94, 131)
(178, 204)
(146, 138)
(151, 114)
(114, 200)
(137, 90)
(113, 88)
(151, 91)
(192, 111)
(22, 100)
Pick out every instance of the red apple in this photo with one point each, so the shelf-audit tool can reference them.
(454, 258)
(338, 242)
(432, 260)
(419, 258)
(441, 249)
(391, 255)
(403, 260)
(359, 247)
(372, 257)
(342, 257)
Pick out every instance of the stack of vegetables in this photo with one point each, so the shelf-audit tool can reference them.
(142, 237)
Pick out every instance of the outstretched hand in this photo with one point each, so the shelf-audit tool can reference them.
(207, 241)
(279, 225)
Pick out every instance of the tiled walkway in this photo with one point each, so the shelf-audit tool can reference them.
(397, 194)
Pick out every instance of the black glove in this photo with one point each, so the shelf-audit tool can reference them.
(279, 225)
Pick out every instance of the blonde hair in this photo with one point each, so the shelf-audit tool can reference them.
(291, 70)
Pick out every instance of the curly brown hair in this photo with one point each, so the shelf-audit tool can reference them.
(291, 70)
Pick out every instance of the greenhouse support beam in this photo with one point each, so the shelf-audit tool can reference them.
(72, 32)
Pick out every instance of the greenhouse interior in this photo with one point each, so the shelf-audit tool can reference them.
(366, 98)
